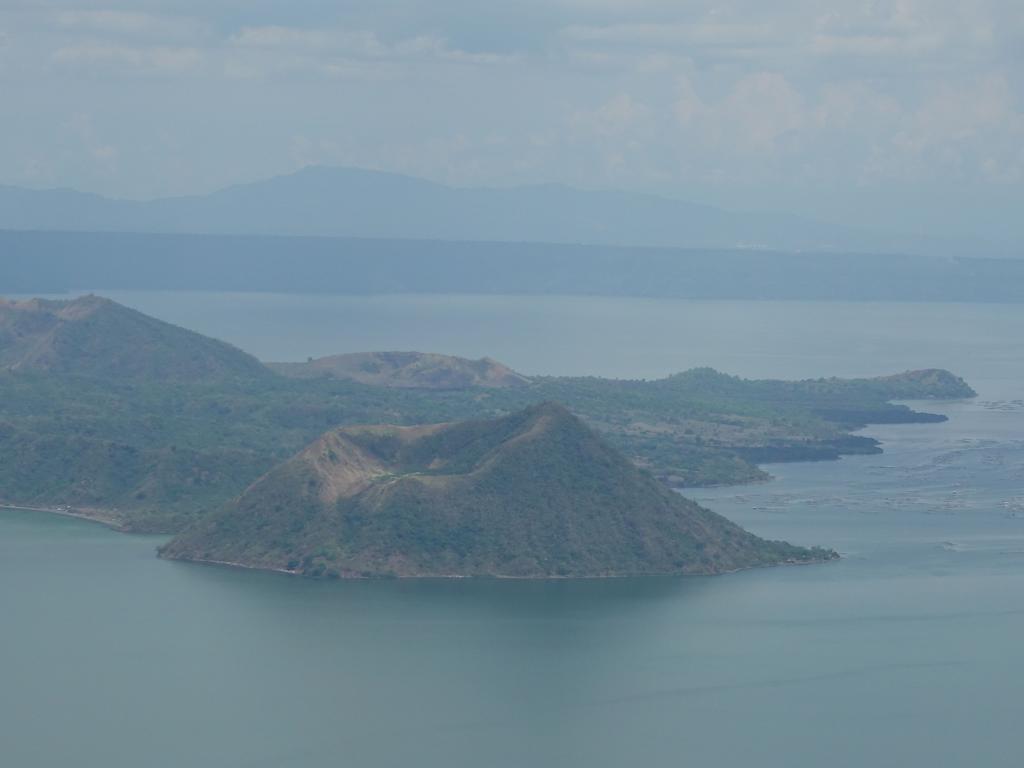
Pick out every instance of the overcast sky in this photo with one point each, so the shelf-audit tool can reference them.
(900, 113)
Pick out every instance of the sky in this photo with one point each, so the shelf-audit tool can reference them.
(894, 114)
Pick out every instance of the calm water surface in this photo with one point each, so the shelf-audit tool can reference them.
(907, 652)
(615, 337)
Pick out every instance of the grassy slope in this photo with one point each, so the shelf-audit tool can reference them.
(96, 337)
(165, 452)
(417, 370)
(104, 407)
(532, 494)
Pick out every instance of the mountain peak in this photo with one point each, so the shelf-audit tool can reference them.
(532, 494)
(330, 201)
(94, 336)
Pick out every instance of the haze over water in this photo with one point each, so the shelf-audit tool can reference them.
(614, 337)
(905, 652)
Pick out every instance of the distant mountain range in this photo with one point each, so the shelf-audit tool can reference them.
(348, 202)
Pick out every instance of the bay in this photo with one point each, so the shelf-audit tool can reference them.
(904, 652)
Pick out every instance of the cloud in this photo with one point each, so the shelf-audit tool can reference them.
(727, 95)
(336, 52)
(620, 115)
(105, 153)
(358, 43)
(711, 35)
(758, 111)
(964, 130)
(876, 45)
(966, 110)
(762, 108)
(158, 58)
(902, 28)
(132, 24)
(294, 37)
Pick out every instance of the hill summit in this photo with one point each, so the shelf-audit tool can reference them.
(97, 337)
(411, 370)
(533, 494)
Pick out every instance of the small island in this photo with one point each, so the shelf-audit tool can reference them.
(535, 494)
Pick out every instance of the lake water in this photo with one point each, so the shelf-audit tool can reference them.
(906, 652)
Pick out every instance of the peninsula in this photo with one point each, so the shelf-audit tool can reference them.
(110, 414)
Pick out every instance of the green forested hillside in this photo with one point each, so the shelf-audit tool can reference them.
(93, 336)
(154, 426)
(410, 370)
(532, 494)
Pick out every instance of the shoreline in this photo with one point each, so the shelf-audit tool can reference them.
(77, 513)
(493, 577)
(80, 514)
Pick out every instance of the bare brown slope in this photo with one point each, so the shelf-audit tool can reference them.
(535, 494)
(418, 370)
(93, 336)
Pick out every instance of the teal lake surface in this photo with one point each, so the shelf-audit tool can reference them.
(906, 652)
